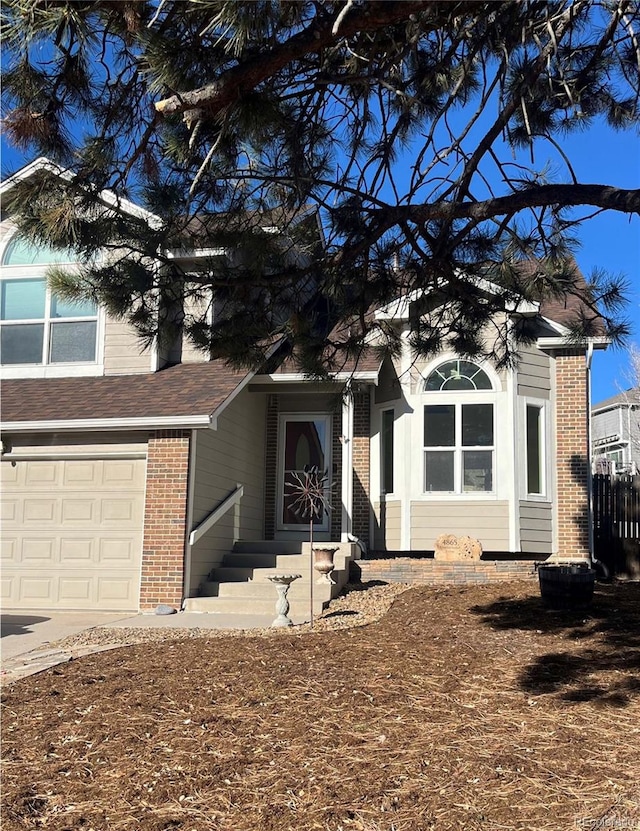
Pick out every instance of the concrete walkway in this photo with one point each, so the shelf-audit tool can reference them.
(28, 639)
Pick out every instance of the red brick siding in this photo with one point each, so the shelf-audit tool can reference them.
(361, 465)
(165, 518)
(571, 454)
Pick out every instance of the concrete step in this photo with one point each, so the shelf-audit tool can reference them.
(262, 560)
(231, 575)
(267, 547)
(281, 562)
(250, 606)
(264, 589)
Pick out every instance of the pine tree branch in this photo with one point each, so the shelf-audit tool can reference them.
(539, 196)
(319, 35)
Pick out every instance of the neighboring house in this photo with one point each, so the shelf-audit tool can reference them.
(113, 465)
(615, 433)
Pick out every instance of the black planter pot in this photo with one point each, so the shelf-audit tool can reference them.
(566, 586)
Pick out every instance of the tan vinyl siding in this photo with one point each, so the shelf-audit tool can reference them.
(485, 520)
(194, 308)
(387, 526)
(7, 227)
(534, 373)
(232, 454)
(123, 351)
(536, 527)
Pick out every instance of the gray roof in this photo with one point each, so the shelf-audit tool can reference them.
(630, 396)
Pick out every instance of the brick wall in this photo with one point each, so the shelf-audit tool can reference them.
(165, 517)
(361, 465)
(571, 454)
(422, 571)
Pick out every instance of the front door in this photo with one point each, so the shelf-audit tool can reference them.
(304, 440)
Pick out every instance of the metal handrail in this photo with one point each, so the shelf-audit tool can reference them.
(211, 519)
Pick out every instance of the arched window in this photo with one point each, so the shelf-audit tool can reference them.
(36, 327)
(458, 375)
(458, 430)
(22, 252)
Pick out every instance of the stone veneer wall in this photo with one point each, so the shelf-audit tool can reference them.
(423, 571)
(165, 517)
(571, 454)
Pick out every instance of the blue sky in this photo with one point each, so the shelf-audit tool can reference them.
(610, 240)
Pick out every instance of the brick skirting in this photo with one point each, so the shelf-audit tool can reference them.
(423, 571)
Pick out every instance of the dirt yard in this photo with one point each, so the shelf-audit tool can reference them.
(461, 708)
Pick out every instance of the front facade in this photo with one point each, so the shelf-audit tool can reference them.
(125, 481)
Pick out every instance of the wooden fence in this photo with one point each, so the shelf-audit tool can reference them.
(616, 523)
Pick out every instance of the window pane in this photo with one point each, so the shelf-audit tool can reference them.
(23, 299)
(477, 425)
(439, 425)
(73, 342)
(534, 450)
(438, 471)
(21, 344)
(477, 473)
(21, 252)
(67, 308)
(458, 375)
(387, 451)
(458, 383)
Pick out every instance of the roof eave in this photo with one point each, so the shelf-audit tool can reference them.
(82, 425)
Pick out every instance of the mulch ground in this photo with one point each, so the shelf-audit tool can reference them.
(462, 708)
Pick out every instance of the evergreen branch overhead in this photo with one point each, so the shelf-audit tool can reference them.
(398, 149)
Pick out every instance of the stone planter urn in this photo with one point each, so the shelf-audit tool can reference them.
(323, 563)
(282, 583)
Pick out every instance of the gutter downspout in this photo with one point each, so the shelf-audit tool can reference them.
(592, 559)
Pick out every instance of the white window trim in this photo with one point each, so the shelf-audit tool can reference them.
(545, 443)
(381, 470)
(51, 370)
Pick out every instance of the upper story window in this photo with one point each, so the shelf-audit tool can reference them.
(36, 327)
(459, 430)
(458, 375)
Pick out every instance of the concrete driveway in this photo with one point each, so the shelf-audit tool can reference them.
(23, 632)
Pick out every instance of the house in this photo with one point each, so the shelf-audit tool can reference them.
(615, 433)
(127, 480)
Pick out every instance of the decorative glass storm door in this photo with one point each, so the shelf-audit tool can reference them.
(304, 441)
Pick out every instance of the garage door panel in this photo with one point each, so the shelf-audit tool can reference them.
(46, 473)
(76, 511)
(118, 552)
(39, 551)
(122, 473)
(39, 511)
(74, 590)
(8, 549)
(77, 552)
(79, 546)
(116, 591)
(36, 591)
(9, 512)
(85, 474)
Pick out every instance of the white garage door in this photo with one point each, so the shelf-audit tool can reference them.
(72, 533)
